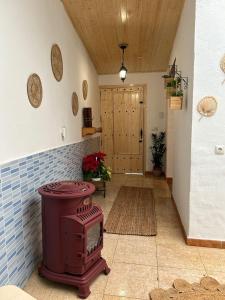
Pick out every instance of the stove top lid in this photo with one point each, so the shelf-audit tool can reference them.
(67, 189)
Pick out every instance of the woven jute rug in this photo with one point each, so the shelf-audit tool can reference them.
(208, 289)
(133, 212)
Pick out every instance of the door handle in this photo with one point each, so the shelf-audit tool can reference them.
(141, 136)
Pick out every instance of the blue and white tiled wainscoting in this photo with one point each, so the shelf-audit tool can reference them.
(20, 205)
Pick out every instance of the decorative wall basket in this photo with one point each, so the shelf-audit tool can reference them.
(85, 89)
(57, 62)
(34, 90)
(75, 104)
(176, 102)
(222, 65)
(207, 106)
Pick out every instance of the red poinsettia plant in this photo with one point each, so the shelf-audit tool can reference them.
(94, 167)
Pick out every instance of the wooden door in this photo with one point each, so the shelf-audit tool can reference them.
(123, 131)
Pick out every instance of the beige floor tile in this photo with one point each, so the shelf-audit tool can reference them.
(109, 248)
(165, 208)
(179, 257)
(134, 183)
(63, 292)
(106, 207)
(167, 216)
(170, 236)
(138, 238)
(118, 179)
(111, 235)
(160, 183)
(168, 275)
(161, 193)
(99, 284)
(109, 297)
(140, 251)
(167, 224)
(136, 280)
(213, 259)
(44, 289)
(129, 280)
(164, 203)
(39, 287)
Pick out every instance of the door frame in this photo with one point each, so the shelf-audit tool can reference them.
(144, 109)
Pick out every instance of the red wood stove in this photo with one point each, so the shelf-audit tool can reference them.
(72, 234)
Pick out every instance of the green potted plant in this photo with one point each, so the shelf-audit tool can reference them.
(158, 149)
(176, 100)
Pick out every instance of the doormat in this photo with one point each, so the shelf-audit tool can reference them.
(133, 212)
(208, 289)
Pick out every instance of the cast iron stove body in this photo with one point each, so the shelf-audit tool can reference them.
(72, 235)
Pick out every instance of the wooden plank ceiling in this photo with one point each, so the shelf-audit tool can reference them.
(148, 26)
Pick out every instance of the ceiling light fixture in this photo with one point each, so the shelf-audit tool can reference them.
(123, 69)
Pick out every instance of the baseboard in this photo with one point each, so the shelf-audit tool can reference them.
(169, 180)
(197, 242)
(148, 173)
(179, 218)
(206, 243)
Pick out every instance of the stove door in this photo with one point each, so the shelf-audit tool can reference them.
(93, 237)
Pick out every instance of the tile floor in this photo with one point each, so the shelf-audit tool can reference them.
(139, 264)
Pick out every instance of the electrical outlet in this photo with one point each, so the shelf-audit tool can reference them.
(219, 149)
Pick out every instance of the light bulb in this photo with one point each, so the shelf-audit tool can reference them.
(123, 73)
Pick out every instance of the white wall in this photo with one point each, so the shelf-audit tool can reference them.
(207, 206)
(28, 30)
(179, 132)
(155, 104)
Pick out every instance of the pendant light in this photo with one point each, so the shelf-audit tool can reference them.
(123, 69)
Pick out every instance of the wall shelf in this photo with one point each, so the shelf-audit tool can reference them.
(90, 130)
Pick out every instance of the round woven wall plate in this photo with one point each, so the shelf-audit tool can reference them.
(75, 104)
(85, 89)
(222, 63)
(207, 106)
(34, 90)
(57, 62)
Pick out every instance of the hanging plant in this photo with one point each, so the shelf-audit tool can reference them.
(167, 80)
(170, 88)
(178, 94)
(173, 86)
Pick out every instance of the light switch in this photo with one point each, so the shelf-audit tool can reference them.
(219, 149)
(63, 133)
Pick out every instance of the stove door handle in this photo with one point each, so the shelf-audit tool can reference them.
(78, 235)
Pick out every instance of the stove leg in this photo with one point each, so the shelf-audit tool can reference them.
(84, 291)
(39, 272)
(106, 270)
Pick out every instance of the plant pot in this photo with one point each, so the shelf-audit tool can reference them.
(96, 179)
(176, 102)
(157, 172)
